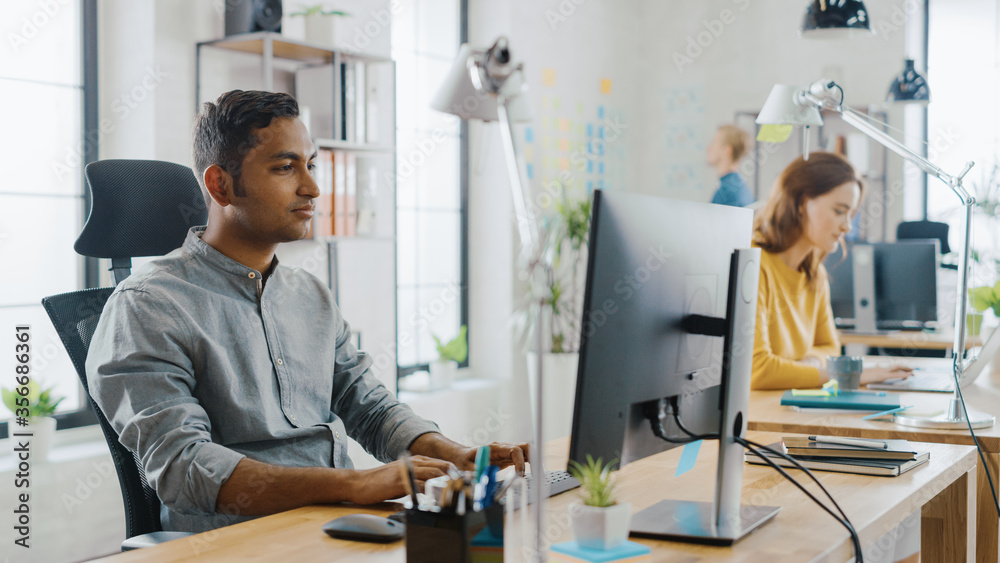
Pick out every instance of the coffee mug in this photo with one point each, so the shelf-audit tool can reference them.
(846, 370)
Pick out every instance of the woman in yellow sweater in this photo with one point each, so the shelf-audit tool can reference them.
(805, 218)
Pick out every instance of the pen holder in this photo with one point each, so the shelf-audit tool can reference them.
(433, 537)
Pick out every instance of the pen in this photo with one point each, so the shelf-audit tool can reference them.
(878, 445)
(883, 413)
(482, 460)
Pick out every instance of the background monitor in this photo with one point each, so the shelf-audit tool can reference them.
(905, 282)
(659, 319)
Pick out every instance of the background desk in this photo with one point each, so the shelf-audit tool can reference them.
(766, 414)
(917, 340)
(800, 532)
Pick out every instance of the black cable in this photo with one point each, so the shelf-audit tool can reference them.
(793, 461)
(746, 443)
(855, 540)
(656, 411)
(979, 449)
(837, 86)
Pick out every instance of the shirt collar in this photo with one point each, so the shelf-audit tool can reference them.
(193, 244)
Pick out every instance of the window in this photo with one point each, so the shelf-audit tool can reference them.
(963, 119)
(431, 217)
(47, 76)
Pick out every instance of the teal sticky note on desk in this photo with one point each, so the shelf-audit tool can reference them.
(688, 457)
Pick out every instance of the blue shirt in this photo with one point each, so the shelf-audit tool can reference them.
(733, 191)
(197, 364)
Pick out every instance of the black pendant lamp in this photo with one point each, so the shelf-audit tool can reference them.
(835, 18)
(909, 86)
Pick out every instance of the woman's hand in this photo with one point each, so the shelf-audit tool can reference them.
(876, 374)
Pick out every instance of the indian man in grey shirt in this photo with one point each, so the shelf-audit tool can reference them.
(234, 377)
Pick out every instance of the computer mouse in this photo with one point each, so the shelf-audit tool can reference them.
(365, 527)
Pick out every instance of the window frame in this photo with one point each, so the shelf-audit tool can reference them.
(85, 415)
(463, 143)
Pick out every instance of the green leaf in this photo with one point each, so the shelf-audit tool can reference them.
(982, 298)
(457, 349)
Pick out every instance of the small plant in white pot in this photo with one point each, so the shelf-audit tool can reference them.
(319, 23)
(450, 354)
(599, 521)
(36, 408)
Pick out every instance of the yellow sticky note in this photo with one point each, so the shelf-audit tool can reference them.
(605, 85)
(774, 133)
(809, 393)
(548, 77)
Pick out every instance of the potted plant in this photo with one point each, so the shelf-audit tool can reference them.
(599, 521)
(566, 233)
(450, 354)
(39, 405)
(982, 298)
(319, 23)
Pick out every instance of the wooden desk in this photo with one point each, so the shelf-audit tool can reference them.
(914, 340)
(766, 414)
(800, 532)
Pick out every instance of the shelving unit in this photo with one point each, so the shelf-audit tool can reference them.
(331, 79)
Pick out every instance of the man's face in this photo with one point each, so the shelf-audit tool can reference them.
(275, 189)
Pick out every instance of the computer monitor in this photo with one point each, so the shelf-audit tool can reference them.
(905, 283)
(669, 317)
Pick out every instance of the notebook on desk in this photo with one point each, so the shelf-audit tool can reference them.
(852, 400)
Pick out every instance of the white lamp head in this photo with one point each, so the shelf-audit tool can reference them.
(476, 78)
(784, 106)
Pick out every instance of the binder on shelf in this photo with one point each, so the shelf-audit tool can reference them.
(325, 204)
(367, 196)
(339, 193)
(350, 202)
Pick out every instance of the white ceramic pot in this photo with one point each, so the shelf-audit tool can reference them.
(600, 528)
(442, 374)
(320, 30)
(42, 430)
(559, 373)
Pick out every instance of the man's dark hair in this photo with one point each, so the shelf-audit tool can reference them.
(225, 132)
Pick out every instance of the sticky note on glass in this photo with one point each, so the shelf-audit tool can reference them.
(605, 86)
(688, 457)
(548, 77)
(774, 133)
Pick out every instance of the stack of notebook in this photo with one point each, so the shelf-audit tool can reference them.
(867, 457)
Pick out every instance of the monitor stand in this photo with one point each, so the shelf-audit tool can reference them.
(723, 521)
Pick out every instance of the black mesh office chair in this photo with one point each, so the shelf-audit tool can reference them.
(924, 229)
(140, 208)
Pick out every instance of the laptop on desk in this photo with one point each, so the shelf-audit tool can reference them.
(938, 377)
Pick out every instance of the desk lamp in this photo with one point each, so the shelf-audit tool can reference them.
(790, 105)
(487, 85)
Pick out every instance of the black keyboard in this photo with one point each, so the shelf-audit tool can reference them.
(558, 481)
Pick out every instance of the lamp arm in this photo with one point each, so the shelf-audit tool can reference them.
(854, 119)
(527, 226)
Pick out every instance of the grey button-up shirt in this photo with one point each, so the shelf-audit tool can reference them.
(197, 363)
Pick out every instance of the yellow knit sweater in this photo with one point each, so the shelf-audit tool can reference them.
(794, 322)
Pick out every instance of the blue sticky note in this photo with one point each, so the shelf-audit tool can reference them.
(590, 186)
(590, 167)
(590, 129)
(600, 132)
(531, 172)
(600, 112)
(529, 135)
(688, 457)
(600, 168)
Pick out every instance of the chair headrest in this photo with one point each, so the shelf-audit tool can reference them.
(140, 208)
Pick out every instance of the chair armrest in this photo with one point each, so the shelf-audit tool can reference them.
(151, 539)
